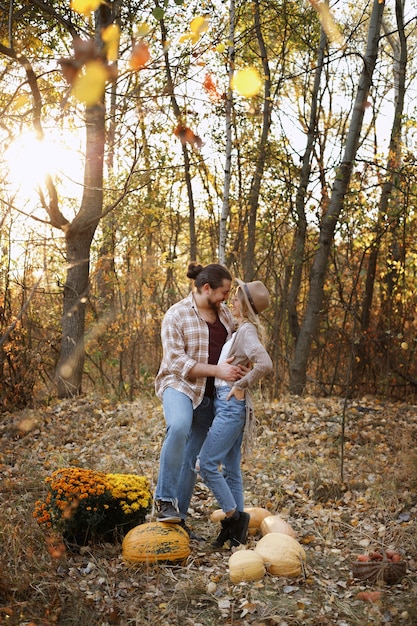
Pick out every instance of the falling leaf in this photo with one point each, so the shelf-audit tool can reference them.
(198, 26)
(158, 13)
(211, 88)
(56, 547)
(111, 37)
(89, 86)
(329, 25)
(247, 82)
(140, 56)
(69, 70)
(142, 29)
(26, 425)
(84, 50)
(186, 135)
(85, 7)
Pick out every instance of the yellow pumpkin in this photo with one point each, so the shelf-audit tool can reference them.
(276, 524)
(246, 565)
(282, 554)
(156, 541)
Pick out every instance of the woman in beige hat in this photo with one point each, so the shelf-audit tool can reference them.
(234, 420)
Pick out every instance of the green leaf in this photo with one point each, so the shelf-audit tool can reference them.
(158, 13)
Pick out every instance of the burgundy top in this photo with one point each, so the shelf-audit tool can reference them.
(217, 338)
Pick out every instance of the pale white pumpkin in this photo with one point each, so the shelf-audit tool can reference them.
(246, 565)
(276, 524)
(282, 555)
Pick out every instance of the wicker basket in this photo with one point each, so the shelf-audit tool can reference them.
(375, 571)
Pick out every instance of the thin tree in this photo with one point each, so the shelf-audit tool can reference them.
(309, 326)
(297, 260)
(262, 152)
(228, 144)
(185, 151)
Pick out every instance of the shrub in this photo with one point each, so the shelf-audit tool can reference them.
(87, 505)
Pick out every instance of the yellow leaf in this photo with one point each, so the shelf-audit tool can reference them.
(85, 7)
(221, 47)
(89, 86)
(111, 36)
(142, 29)
(199, 25)
(185, 37)
(22, 101)
(247, 82)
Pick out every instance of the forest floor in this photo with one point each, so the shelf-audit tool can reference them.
(339, 505)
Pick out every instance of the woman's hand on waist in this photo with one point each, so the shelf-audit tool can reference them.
(238, 393)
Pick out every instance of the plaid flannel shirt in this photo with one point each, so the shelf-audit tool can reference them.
(185, 342)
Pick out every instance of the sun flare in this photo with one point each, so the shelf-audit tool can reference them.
(29, 160)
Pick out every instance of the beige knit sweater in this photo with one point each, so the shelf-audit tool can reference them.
(246, 348)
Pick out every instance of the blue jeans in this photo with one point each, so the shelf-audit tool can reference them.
(221, 452)
(186, 430)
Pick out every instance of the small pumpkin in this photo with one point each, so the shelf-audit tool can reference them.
(276, 524)
(257, 514)
(282, 555)
(156, 541)
(217, 515)
(246, 565)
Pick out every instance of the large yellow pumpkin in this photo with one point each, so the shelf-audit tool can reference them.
(246, 565)
(156, 541)
(282, 554)
(276, 524)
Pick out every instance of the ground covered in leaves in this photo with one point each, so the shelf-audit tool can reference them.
(344, 475)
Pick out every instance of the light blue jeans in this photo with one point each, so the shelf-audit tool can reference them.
(220, 454)
(186, 430)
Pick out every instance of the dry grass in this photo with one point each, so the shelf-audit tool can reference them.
(295, 472)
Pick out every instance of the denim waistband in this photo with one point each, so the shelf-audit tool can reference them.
(221, 392)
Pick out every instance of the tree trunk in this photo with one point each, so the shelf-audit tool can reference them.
(71, 363)
(249, 269)
(185, 152)
(399, 49)
(298, 368)
(301, 229)
(79, 235)
(228, 156)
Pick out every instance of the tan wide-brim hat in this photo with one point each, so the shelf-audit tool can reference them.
(256, 295)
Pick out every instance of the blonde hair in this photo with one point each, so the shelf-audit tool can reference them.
(249, 315)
